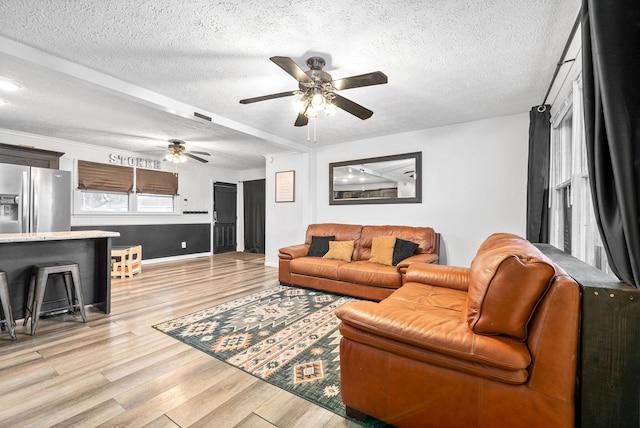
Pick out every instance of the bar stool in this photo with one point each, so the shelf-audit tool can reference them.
(39, 276)
(7, 315)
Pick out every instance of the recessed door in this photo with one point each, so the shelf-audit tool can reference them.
(224, 217)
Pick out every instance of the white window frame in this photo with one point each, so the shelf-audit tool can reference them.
(569, 168)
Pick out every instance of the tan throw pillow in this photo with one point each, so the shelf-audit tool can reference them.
(382, 250)
(339, 250)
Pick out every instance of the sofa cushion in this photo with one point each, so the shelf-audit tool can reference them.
(340, 250)
(403, 249)
(506, 284)
(317, 267)
(382, 250)
(373, 274)
(319, 245)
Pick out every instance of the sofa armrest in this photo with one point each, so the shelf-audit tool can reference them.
(454, 277)
(418, 258)
(293, 251)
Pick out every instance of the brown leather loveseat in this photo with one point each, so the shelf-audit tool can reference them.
(492, 345)
(365, 271)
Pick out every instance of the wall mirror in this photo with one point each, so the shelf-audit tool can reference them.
(395, 179)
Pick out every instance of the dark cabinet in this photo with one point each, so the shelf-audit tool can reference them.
(20, 155)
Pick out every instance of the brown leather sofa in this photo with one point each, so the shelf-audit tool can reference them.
(357, 277)
(492, 345)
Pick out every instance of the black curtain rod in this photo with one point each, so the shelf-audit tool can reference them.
(564, 52)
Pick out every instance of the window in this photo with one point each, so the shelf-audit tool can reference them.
(104, 202)
(573, 225)
(105, 188)
(155, 191)
(154, 203)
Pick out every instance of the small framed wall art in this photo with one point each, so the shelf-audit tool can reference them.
(285, 186)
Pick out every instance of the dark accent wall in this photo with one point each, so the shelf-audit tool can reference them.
(161, 240)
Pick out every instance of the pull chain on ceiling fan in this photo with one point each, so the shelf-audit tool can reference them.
(318, 90)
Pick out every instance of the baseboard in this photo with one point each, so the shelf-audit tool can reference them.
(174, 258)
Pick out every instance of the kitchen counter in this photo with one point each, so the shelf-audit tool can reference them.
(91, 249)
(56, 236)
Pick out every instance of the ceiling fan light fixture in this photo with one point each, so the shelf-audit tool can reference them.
(317, 101)
(318, 88)
(311, 112)
(300, 104)
(330, 109)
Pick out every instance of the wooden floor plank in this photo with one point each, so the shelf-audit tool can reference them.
(94, 416)
(229, 383)
(253, 421)
(238, 407)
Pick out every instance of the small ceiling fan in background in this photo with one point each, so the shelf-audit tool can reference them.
(178, 152)
(318, 89)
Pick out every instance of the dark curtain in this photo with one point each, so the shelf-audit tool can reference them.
(611, 70)
(254, 211)
(538, 174)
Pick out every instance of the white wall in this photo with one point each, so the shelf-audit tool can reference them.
(474, 184)
(286, 222)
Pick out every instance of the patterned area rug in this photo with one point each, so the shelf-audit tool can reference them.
(286, 336)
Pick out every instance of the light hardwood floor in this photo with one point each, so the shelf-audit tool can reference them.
(118, 371)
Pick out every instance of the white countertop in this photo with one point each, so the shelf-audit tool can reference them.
(56, 236)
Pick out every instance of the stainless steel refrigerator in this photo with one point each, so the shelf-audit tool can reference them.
(34, 199)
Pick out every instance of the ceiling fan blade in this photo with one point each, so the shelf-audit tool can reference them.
(267, 97)
(375, 78)
(199, 159)
(199, 153)
(302, 120)
(351, 107)
(288, 65)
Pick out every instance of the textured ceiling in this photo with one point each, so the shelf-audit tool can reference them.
(123, 74)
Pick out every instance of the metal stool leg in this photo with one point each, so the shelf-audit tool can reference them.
(68, 286)
(6, 305)
(77, 287)
(41, 285)
(29, 310)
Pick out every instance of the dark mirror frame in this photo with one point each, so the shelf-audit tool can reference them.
(416, 156)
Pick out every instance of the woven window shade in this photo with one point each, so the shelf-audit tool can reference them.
(156, 182)
(105, 177)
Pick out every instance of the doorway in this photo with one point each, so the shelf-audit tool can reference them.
(254, 216)
(224, 217)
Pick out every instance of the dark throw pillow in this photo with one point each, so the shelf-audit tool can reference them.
(402, 250)
(319, 245)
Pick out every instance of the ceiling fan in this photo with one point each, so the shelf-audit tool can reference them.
(318, 89)
(178, 151)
